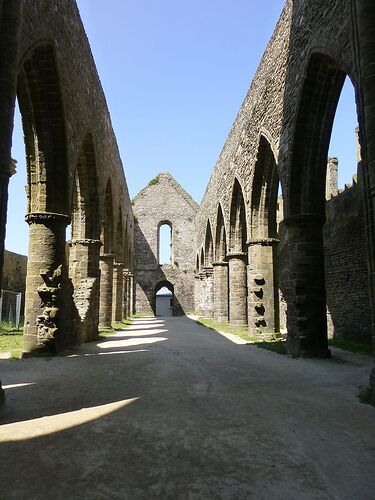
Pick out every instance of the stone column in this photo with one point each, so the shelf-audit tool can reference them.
(306, 297)
(221, 292)
(197, 291)
(125, 313)
(131, 294)
(237, 289)
(263, 309)
(85, 275)
(48, 297)
(106, 288)
(118, 291)
(209, 302)
(365, 17)
(202, 295)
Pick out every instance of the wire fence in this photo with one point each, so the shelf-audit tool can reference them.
(10, 307)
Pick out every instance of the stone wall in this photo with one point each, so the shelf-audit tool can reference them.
(164, 201)
(346, 265)
(14, 272)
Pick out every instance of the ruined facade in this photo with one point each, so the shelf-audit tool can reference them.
(164, 202)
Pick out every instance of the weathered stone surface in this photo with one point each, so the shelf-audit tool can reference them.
(164, 201)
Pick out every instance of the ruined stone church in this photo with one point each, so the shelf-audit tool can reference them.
(234, 257)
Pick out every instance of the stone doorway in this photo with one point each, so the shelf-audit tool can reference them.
(164, 298)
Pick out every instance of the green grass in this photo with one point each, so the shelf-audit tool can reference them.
(351, 345)
(10, 341)
(123, 324)
(278, 346)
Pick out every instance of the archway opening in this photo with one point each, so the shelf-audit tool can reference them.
(322, 245)
(263, 279)
(164, 299)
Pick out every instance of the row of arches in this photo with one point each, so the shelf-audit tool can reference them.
(72, 287)
(240, 269)
(236, 266)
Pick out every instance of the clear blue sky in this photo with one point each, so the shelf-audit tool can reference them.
(175, 74)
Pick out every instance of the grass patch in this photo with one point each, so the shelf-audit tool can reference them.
(10, 341)
(123, 324)
(278, 346)
(351, 345)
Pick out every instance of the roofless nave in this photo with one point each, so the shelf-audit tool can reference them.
(244, 261)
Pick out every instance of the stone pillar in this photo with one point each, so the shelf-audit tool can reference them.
(263, 307)
(48, 296)
(306, 297)
(365, 17)
(202, 294)
(118, 291)
(131, 294)
(197, 291)
(85, 275)
(125, 312)
(209, 302)
(237, 289)
(221, 292)
(106, 288)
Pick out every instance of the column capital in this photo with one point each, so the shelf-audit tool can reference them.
(304, 219)
(219, 263)
(208, 271)
(265, 242)
(107, 256)
(236, 255)
(119, 265)
(47, 218)
(85, 242)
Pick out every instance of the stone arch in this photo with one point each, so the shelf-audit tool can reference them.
(221, 237)
(43, 120)
(41, 106)
(237, 257)
(85, 243)
(119, 238)
(209, 246)
(168, 308)
(202, 260)
(263, 297)
(107, 221)
(238, 226)
(306, 295)
(85, 199)
(220, 270)
(264, 193)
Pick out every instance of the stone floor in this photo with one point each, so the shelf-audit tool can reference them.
(171, 410)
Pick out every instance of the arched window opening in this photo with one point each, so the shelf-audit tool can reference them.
(165, 244)
(164, 299)
(343, 154)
